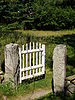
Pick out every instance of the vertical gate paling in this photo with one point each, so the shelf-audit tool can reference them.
(32, 60)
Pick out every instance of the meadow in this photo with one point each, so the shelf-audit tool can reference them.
(50, 39)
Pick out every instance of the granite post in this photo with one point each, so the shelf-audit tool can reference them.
(12, 63)
(59, 68)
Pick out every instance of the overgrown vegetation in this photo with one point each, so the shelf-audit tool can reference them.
(50, 39)
(37, 14)
(28, 86)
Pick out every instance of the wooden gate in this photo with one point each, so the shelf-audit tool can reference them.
(32, 60)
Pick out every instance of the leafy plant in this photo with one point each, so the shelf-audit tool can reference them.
(7, 89)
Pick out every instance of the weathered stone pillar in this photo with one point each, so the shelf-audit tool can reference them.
(59, 68)
(12, 63)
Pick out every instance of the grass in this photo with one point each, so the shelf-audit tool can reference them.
(50, 39)
(27, 86)
(44, 83)
(47, 33)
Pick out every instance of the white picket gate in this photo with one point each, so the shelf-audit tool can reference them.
(32, 60)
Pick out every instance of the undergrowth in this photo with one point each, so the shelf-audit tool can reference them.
(27, 86)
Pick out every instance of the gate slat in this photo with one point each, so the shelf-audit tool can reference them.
(31, 51)
(20, 63)
(36, 56)
(32, 67)
(39, 56)
(30, 58)
(26, 59)
(33, 58)
(23, 59)
(31, 76)
(43, 59)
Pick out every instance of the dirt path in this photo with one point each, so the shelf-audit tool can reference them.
(34, 95)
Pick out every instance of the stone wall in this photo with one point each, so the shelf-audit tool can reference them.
(70, 85)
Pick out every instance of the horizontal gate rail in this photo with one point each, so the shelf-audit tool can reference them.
(30, 51)
(32, 67)
(32, 76)
(32, 60)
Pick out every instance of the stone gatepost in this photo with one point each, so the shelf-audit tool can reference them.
(12, 63)
(59, 68)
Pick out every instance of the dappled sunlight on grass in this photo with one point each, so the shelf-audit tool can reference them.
(47, 33)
